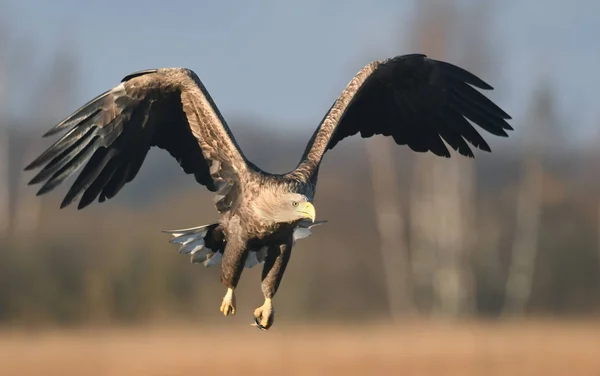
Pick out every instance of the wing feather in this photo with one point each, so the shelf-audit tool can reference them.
(111, 135)
(418, 101)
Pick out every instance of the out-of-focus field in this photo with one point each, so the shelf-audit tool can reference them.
(537, 348)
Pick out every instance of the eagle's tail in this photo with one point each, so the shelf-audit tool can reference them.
(204, 244)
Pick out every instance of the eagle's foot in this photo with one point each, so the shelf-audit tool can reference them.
(264, 316)
(228, 304)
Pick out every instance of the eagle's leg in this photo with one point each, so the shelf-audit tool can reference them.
(232, 265)
(273, 270)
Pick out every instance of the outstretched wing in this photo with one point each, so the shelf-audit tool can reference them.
(416, 100)
(169, 108)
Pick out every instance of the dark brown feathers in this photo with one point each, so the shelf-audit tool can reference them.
(416, 100)
(112, 134)
(419, 102)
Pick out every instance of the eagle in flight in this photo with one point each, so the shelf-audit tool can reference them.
(419, 101)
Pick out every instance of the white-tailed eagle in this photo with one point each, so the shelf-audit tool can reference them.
(414, 99)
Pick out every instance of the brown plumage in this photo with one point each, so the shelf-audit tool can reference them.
(416, 100)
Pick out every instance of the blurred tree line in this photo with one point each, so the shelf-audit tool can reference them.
(514, 232)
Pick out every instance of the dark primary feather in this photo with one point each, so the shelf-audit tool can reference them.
(112, 134)
(418, 102)
(138, 73)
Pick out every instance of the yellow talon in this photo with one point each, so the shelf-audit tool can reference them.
(264, 315)
(228, 304)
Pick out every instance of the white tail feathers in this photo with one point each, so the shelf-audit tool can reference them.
(255, 258)
(213, 258)
(192, 243)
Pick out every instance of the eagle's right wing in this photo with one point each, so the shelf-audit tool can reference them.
(418, 101)
(112, 134)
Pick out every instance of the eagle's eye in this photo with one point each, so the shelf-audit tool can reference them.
(294, 203)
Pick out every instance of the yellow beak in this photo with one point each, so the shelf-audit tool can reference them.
(307, 210)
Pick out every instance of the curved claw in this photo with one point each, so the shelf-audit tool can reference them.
(264, 316)
(257, 324)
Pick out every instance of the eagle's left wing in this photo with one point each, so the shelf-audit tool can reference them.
(168, 108)
(416, 100)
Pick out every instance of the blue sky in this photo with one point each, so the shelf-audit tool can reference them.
(286, 61)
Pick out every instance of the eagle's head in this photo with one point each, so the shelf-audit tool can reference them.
(282, 206)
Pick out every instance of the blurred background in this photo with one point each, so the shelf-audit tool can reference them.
(426, 264)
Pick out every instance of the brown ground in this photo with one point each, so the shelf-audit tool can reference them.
(539, 348)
